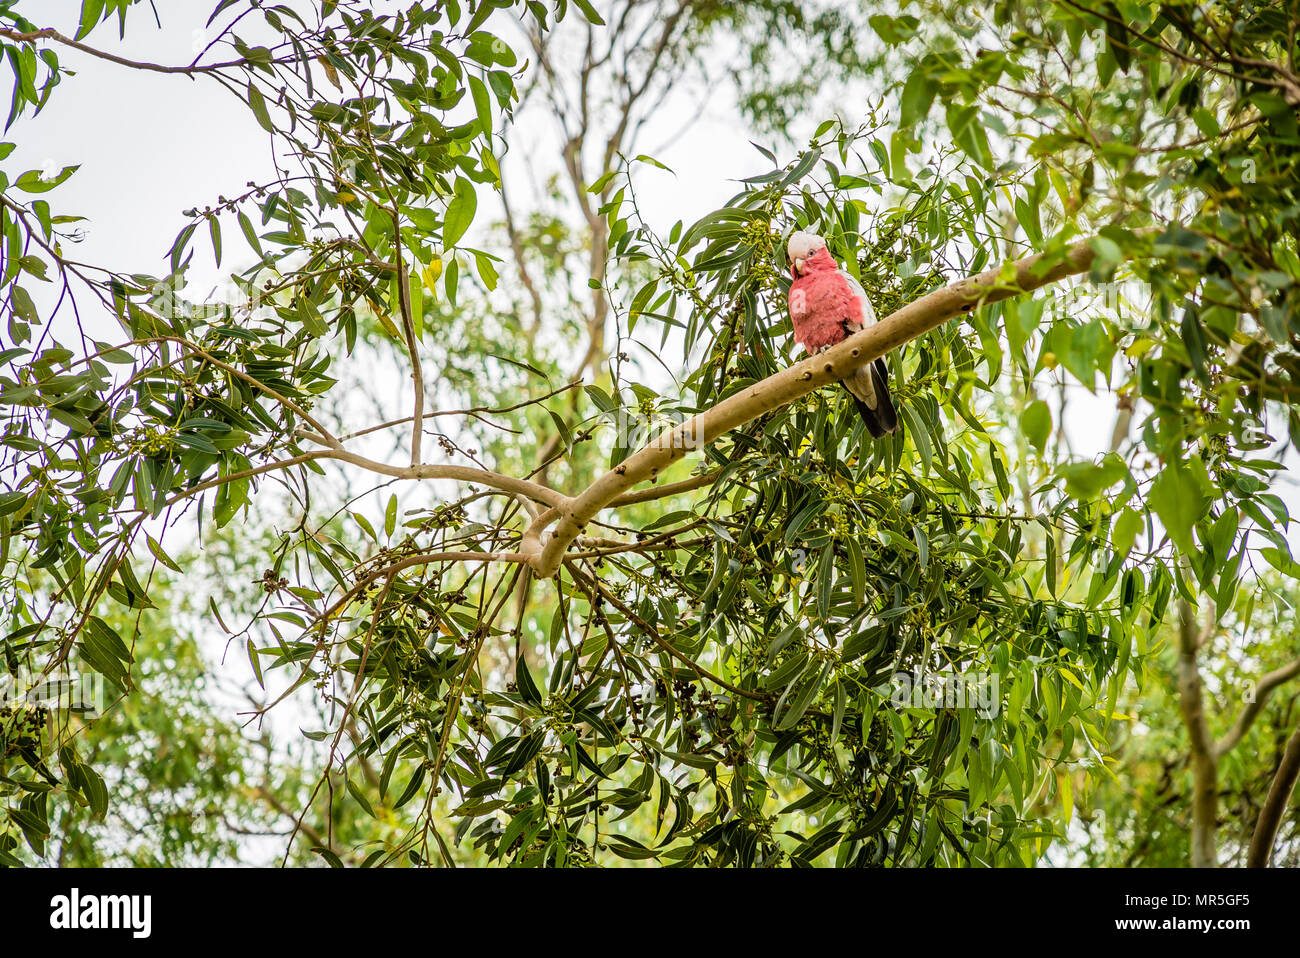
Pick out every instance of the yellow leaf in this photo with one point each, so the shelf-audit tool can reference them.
(389, 326)
(1071, 678)
(431, 274)
(1066, 788)
(330, 72)
(1141, 346)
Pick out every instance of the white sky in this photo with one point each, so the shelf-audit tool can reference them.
(151, 145)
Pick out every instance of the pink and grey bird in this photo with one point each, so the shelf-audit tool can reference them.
(826, 305)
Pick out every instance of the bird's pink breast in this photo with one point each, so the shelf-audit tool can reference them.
(820, 303)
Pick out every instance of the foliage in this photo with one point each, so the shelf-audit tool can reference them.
(1137, 817)
(178, 778)
(715, 678)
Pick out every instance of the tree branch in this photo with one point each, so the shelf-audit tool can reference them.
(921, 316)
(1263, 689)
(49, 33)
(1204, 762)
(1270, 816)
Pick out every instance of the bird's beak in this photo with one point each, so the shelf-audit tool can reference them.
(798, 266)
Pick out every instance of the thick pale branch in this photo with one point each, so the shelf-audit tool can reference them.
(906, 324)
(664, 491)
(531, 542)
(614, 488)
(493, 480)
(463, 473)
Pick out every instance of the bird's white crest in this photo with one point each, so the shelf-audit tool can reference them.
(801, 246)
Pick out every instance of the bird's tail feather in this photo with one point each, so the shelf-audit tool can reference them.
(882, 420)
(869, 418)
(885, 411)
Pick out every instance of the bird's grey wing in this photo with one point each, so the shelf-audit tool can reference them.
(868, 314)
(860, 382)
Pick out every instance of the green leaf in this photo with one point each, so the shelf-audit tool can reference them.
(919, 435)
(214, 228)
(894, 30)
(1036, 424)
(917, 97)
(857, 571)
(1180, 495)
(257, 103)
(95, 790)
(34, 182)
(1086, 480)
(602, 181)
(601, 398)
(482, 104)
(365, 525)
(487, 270)
(589, 12)
(178, 247)
(968, 133)
(802, 700)
(156, 548)
(90, 14)
(1117, 37)
(528, 690)
(217, 12)
(23, 306)
(1193, 337)
(250, 234)
(1125, 531)
(460, 212)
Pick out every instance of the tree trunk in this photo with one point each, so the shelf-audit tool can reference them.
(1270, 816)
(1205, 765)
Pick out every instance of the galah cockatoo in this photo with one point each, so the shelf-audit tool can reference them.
(826, 305)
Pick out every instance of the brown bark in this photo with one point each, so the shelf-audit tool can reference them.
(1279, 795)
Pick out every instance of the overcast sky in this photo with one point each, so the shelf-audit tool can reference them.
(151, 145)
